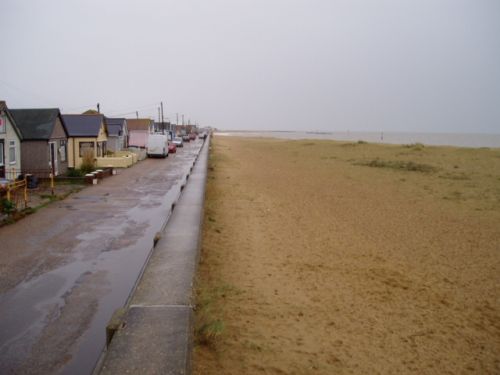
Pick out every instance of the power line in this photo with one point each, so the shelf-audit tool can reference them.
(122, 114)
(129, 110)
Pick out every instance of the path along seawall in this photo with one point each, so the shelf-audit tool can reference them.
(153, 333)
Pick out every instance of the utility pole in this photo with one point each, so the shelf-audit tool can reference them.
(176, 119)
(137, 114)
(162, 124)
(98, 108)
(182, 120)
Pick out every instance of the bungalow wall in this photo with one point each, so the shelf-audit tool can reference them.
(35, 157)
(138, 138)
(60, 141)
(77, 145)
(12, 147)
(115, 143)
(125, 136)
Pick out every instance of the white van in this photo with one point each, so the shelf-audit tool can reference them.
(157, 145)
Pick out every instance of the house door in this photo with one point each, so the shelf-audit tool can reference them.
(53, 158)
(2, 159)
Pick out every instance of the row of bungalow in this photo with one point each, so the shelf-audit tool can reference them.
(42, 141)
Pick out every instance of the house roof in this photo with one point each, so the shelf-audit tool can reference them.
(139, 124)
(115, 126)
(36, 123)
(83, 125)
(115, 121)
(114, 130)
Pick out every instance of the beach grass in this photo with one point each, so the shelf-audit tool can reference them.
(474, 172)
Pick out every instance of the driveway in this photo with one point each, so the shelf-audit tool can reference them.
(67, 268)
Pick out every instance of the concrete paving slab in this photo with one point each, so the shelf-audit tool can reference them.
(194, 195)
(176, 276)
(168, 277)
(155, 340)
(184, 224)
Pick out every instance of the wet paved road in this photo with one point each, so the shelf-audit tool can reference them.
(65, 269)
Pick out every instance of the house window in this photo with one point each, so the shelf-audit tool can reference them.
(12, 152)
(86, 147)
(1, 153)
(3, 125)
(63, 151)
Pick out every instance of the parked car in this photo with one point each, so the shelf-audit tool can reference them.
(186, 138)
(157, 145)
(172, 148)
(178, 142)
(192, 136)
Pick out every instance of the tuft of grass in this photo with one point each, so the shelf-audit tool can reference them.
(353, 144)
(7, 206)
(455, 176)
(398, 164)
(49, 197)
(73, 172)
(209, 332)
(348, 144)
(209, 325)
(415, 146)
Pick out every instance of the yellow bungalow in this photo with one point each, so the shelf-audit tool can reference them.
(85, 132)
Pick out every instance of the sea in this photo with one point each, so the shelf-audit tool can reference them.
(431, 139)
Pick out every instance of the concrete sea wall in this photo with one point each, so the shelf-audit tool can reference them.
(153, 334)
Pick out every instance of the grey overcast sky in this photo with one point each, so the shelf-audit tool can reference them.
(317, 65)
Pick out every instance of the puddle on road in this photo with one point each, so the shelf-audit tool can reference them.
(117, 248)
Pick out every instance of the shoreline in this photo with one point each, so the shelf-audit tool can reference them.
(466, 140)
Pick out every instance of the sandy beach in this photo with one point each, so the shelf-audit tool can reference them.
(324, 257)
